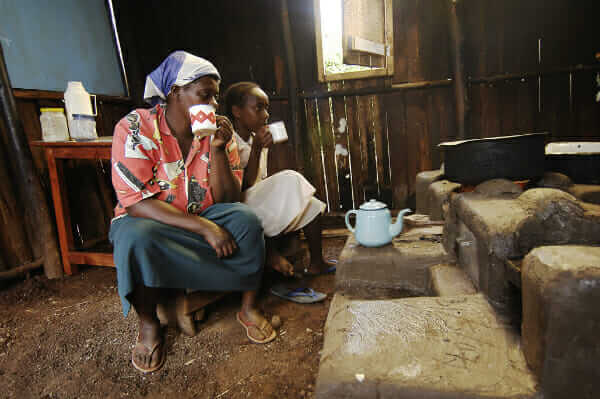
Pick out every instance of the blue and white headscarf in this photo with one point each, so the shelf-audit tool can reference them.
(178, 69)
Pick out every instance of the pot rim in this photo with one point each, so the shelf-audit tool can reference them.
(452, 144)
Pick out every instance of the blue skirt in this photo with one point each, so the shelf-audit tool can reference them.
(154, 254)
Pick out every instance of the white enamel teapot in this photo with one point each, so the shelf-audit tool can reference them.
(374, 226)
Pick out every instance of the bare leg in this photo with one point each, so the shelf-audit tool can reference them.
(144, 300)
(312, 231)
(258, 327)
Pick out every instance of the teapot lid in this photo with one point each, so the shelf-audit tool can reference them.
(373, 205)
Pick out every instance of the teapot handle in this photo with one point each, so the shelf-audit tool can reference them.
(347, 218)
(95, 105)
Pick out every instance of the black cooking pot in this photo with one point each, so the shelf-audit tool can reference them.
(518, 157)
(578, 160)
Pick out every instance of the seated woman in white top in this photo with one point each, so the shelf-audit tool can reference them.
(285, 201)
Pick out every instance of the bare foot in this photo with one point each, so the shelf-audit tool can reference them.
(148, 354)
(258, 329)
(319, 267)
(277, 262)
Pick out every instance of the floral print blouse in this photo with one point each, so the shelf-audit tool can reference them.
(147, 162)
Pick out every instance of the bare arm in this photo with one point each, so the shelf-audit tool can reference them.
(262, 139)
(216, 236)
(223, 184)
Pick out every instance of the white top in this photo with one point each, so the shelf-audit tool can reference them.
(244, 149)
(283, 202)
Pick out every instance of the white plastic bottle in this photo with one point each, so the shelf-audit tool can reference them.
(78, 101)
(54, 124)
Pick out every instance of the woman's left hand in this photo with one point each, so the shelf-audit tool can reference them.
(224, 132)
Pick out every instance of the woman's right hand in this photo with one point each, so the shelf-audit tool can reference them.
(216, 236)
(219, 239)
(263, 138)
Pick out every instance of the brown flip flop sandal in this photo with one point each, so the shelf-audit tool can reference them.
(249, 324)
(160, 346)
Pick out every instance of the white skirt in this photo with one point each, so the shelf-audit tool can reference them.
(284, 202)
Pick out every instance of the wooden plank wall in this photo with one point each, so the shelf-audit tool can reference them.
(512, 87)
(385, 139)
(524, 38)
(372, 146)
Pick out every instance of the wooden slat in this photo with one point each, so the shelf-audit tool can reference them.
(437, 54)
(381, 150)
(15, 248)
(92, 258)
(30, 117)
(475, 46)
(107, 196)
(394, 106)
(90, 215)
(494, 30)
(312, 150)
(428, 52)
(555, 31)
(303, 31)
(586, 111)
(366, 179)
(342, 153)
(555, 117)
(419, 141)
(508, 112)
(27, 94)
(369, 181)
(442, 122)
(328, 146)
(490, 123)
(414, 60)
(443, 104)
(520, 39)
(281, 155)
(527, 105)
(355, 150)
(401, 42)
(111, 114)
(91, 153)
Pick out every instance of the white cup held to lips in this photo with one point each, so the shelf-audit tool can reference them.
(203, 119)
(278, 132)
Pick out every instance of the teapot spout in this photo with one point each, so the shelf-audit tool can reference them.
(396, 228)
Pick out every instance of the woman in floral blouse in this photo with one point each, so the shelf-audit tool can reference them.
(178, 223)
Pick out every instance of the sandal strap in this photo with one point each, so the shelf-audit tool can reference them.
(260, 327)
(150, 349)
(303, 292)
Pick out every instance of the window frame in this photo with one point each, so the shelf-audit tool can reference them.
(388, 70)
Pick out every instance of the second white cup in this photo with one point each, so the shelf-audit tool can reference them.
(278, 132)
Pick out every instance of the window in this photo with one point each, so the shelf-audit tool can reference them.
(354, 38)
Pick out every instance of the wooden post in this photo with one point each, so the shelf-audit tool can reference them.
(292, 81)
(27, 181)
(460, 90)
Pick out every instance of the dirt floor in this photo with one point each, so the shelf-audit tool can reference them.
(68, 339)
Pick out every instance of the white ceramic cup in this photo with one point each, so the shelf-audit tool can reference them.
(278, 132)
(203, 118)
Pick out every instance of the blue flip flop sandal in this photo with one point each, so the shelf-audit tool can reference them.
(298, 295)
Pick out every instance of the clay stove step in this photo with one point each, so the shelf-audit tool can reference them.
(449, 280)
(428, 347)
(396, 270)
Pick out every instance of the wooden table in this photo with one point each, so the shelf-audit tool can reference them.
(60, 150)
